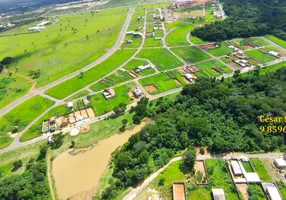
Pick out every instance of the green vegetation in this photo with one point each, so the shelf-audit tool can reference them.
(282, 188)
(161, 57)
(197, 40)
(260, 56)
(151, 42)
(6, 169)
(200, 192)
(171, 25)
(221, 50)
(80, 94)
(72, 85)
(114, 79)
(18, 118)
(163, 82)
(276, 40)
(132, 64)
(101, 105)
(247, 167)
(191, 54)
(272, 68)
(151, 6)
(220, 177)
(207, 68)
(259, 41)
(255, 192)
(260, 169)
(147, 72)
(36, 130)
(178, 36)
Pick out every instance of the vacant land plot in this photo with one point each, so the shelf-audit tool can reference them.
(200, 192)
(132, 64)
(136, 41)
(220, 177)
(114, 79)
(80, 94)
(100, 105)
(72, 85)
(35, 130)
(259, 42)
(221, 50)
(282, 188)
(6, 169)
(171, 25)
(259, 56)
(197, 40)
(247, 167)
(151, 42)
(272, 68)
(18, 118)
(151, 6)
(276, 40)
(161, 57)
(260, 169)
(207, 68)
(12, 87)
(191, 54)
(162, 82)
(178, 36)
(255, 192)
(147, 72)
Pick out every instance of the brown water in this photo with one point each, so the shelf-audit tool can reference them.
(80, 174)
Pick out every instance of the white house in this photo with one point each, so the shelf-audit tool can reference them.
(274, 53)
(218, 194)
(236, 168)
(280, 163)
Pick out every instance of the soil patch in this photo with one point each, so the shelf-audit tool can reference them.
(248, 47)
(85, 129)
(243, 189)
(151, 88)
(177, 82)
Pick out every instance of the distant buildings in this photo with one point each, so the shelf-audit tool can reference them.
(137, 92)
(141, 68)
(178, 3)
(280, 164)
(191, 77)
(274, 53)
(271, 191)
(218, 194)
(217, 14)
(109, 94)
(40, 27)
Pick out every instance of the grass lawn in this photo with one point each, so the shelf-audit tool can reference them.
(221, 50)
(191, 54)
(276, 40)
(18, 118)
(12, 87)
(256, 192)
(136, 41)
(178, 36)
(72, 85)
(147, 72)
(201, 192)
(207, 68)
(161, 57)
(151, 42)
(6, 169)
(259, 41)
(163, 82)
(247, 167)
(35, 130)
(132, 64)
(220, 177)
(171, 25)
(80, 94)
(197, 40)
(101, 105)
(272, 68)
(63, 44)
(260, 169)
(114, 79)
(282, 188)
(259, 56)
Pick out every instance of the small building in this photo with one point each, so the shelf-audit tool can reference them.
(157, 38)
(218, 194)
(252, 177)
(137, 92)
(128, 41)
(274, 53)
(70, 104)
(129, 32)
(217, 14)
(141, 68)
(235, 168)
(36, 28)
(86, 102)
(179, 192)
(271, 191)
(280, 164)
(109, 94)
(137, 34)
(191, 77)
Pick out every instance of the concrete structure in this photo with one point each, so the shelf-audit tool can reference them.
(70, 104)
(271, 191)
(280, 163)
(217, 14)
(218, 194)
(86, 102)
(109, 94)
(274, 53)
(137, 92)
(40, 27)
(179, 192)
(191, 77)
(235, 168)
(141, 68)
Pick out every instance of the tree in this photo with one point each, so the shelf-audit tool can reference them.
(202, 150)
(189, 158)
(58, 140)
(87, 37)
(72, 144)
(81, 75)
(161, 181)
(17, 165)
(120, 109)
(199, 177)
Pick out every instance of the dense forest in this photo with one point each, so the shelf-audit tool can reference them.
(223, 115)
(31, 184)
(247, 18)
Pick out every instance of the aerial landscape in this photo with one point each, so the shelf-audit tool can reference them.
(142, 100)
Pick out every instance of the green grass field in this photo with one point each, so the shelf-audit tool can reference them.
(101, 105)
(221, 50)
(282, 188)
(191, 54)
(114, 79)
(163, 82)
(276, 40)
(12, 87)
(260, 56)
(197, 40)
(161, 57)
(132, 64)
(6, 169)
(80, 94)
(220, 177)
(147, 72)
(151, 42)
(255, 192)
(171, 25)
(207, 68)
(72, 85)
(200, 192)
(260, 169)
(272, 68)
(35, 130)
(18, 118)
(247, 167)
(259, 41)
(178, 36)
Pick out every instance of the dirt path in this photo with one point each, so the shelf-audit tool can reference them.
(50, 176)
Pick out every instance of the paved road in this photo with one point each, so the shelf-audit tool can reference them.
(40, 91)
(134, 192)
